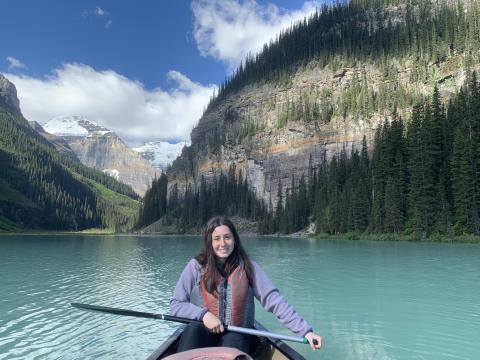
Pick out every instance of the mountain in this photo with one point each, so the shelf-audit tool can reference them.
(160, 154)
(324, 84)
(42, 188)
(360, 118)
(100, 148)
(8, 96)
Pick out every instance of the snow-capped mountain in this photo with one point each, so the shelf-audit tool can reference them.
(99, 147)
(59, 143)
(160, 154)
(75, 126)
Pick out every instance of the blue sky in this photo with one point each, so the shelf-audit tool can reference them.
(145, 69)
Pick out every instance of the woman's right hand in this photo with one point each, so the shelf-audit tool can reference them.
(213, 323)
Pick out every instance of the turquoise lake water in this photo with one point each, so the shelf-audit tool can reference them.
(369, 300)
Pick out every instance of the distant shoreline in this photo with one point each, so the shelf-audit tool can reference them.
(435, 238)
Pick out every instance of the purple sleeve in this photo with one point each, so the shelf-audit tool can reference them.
(180, 304)
(271, 300)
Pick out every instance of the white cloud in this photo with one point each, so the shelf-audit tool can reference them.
(123, 105)
(99, 11)
(14, 63)
(229, 29)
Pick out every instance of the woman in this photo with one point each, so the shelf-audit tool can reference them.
(218, 287)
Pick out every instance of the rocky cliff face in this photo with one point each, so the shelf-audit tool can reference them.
(98, 147)
(8, 96)
(251, 128)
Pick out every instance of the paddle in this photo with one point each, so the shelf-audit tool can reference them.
(231, 328)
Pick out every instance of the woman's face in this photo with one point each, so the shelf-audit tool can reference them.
(223, 242)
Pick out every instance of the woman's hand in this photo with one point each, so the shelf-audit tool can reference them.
(213, 323)
(311, 336)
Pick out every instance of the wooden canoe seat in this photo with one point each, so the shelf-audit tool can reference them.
(210, 353)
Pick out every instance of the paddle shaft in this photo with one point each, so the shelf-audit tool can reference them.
(147, 315)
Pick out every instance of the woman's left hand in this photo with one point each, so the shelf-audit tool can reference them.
(311, 336)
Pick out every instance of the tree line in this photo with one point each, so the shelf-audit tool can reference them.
(189, 209)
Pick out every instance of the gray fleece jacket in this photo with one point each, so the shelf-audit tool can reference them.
(182, 302)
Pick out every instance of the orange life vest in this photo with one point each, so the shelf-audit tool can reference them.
(233, 304)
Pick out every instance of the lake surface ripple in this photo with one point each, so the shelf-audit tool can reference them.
(369, 300)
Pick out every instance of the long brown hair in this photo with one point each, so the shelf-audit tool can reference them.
(213, 272)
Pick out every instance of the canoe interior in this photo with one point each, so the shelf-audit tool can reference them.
(262, 349)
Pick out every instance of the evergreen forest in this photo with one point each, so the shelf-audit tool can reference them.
(422, 177)
(41, 188)
(189, 210)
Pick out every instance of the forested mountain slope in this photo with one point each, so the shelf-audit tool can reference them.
(328, 81)
(41, 188)
(320, 93)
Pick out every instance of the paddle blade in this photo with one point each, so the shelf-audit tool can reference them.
(124, 312)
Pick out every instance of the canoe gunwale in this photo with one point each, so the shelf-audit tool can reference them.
(163, 349)
(280, 345)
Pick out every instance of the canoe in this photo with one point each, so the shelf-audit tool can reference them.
(263, 348)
